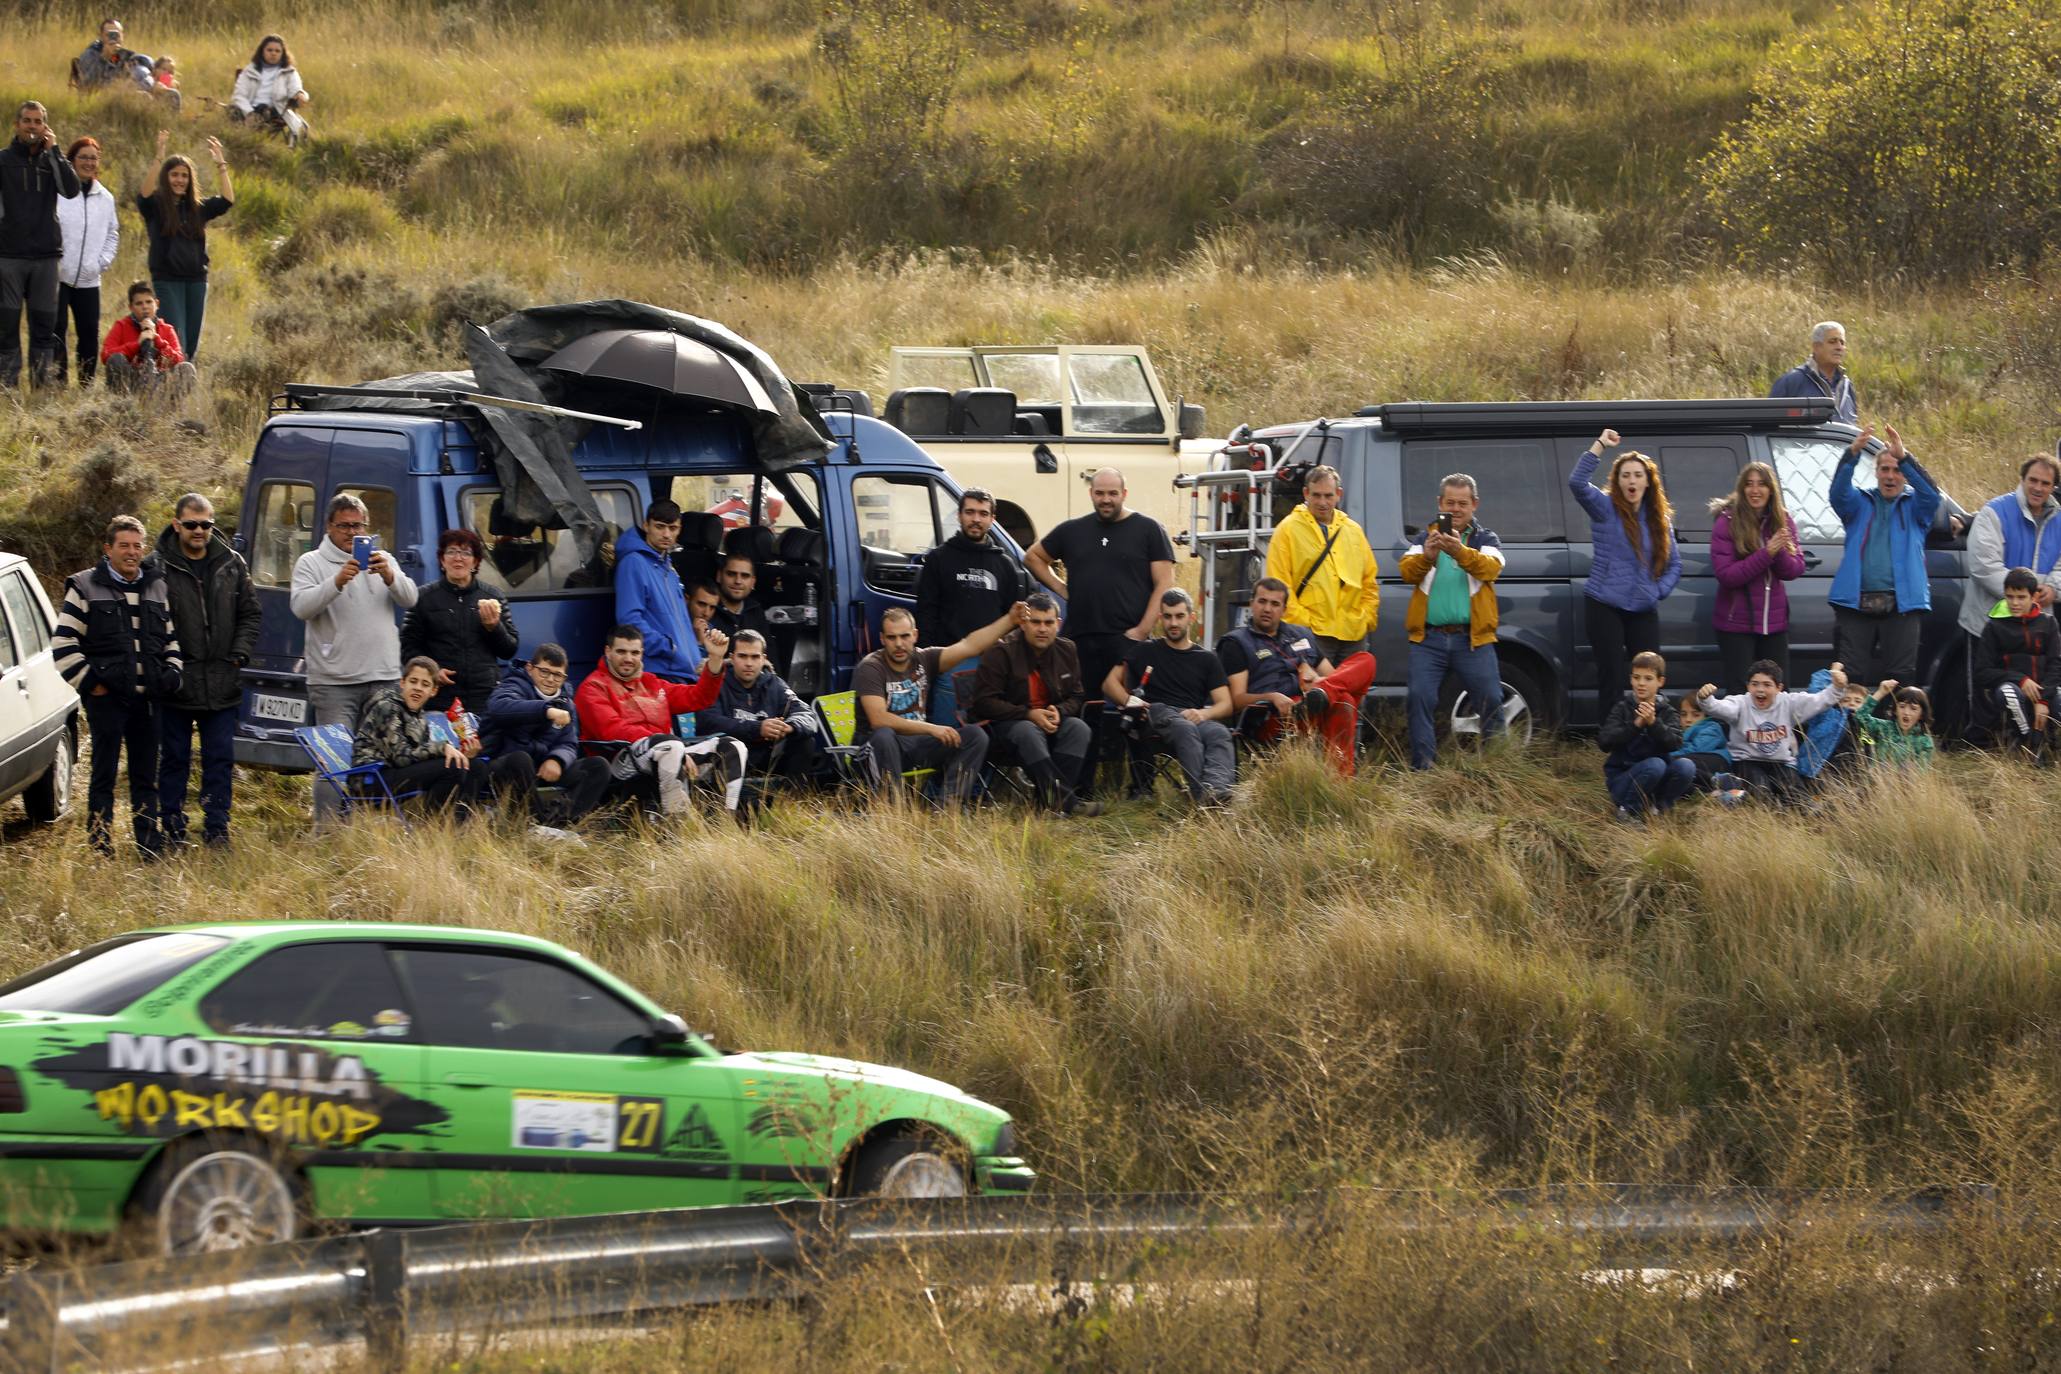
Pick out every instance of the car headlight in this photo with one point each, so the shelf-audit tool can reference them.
(1005, 1139)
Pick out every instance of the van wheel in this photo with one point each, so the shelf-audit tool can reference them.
(213, 1194)
(906, 1166)
(50, 796)
(1523, 708)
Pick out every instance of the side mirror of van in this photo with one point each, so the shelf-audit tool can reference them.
(1191, 421)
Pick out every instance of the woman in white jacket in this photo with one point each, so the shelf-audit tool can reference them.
(92, 233)
(270, 89)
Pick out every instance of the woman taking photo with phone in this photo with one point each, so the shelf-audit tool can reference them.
(1753, 551)
(1636, 562)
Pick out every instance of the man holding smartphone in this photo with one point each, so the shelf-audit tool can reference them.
(34, 176)
(346, 589)
(1452, 615)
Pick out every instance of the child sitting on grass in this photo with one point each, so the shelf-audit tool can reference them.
(1765, 724)
(1904, 734)
(1827, 748)
(1703, 744)
(1641, 736)
(2018, 666)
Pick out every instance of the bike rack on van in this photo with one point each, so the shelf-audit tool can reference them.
(1211, 541)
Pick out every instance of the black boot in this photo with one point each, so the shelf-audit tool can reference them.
(42, 368)
(10, 368)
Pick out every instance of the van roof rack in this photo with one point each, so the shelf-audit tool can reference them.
(296, 395)
(1587, 417)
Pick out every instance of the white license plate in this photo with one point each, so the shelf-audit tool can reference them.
(290, 709)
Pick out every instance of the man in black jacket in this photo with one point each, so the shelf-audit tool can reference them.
(115, 645)
(215, 614)
(33, 177)
(966, 582)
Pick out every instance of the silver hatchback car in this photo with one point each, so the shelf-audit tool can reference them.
(39, 712)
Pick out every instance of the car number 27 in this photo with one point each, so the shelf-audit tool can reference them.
(638, 1123)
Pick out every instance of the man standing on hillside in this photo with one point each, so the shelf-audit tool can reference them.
(34, 176)
(1452, 615)
(215, 613)
(2016, 530)
(1333, 580)
(1823, 373)
(1121, 562)
(648, 595)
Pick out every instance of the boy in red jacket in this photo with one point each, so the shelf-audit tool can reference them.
(620, 701)
(142, 352)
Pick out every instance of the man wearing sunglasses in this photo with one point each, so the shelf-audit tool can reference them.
(212, 600)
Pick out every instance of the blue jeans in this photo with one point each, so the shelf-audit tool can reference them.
(217, 768)
(1654, 783)
(184, 305)
(1431, 659)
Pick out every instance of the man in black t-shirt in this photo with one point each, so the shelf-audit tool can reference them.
(1183, 692)
(892, 686)
(1118, 562)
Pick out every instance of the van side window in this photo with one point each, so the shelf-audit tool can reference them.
(281, 531)
(1805, 467)
(1692, 475)
(1520, 490)
(532, 560)
(786, 501)
(900, 518)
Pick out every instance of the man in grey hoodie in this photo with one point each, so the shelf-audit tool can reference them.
(353, 641)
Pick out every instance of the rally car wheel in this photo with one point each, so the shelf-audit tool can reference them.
(208, 1195)
(907, 1166)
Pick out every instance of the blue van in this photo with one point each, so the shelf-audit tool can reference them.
(838, 541)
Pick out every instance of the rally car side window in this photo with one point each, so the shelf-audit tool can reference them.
(490, 1000)
(331, 990)
(102, 979)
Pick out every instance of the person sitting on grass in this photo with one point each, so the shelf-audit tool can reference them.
(1764, 725)
(759, 710)
(269, 90)
(1904, 736)
(2018, 667)
(394, 732)
(619, 701)
(530, 716)
(1703, 745)
(1828, 748)
(1179, 697)
(1641, 736)
(1273, 662)
(141, 352)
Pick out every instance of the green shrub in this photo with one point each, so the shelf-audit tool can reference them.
(337, 216)
(1919, 136)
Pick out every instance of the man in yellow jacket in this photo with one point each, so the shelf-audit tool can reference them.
(1323, 556)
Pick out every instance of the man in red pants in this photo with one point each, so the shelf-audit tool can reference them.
(1271, 662)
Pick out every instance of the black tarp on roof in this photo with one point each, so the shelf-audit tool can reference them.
(532, 452)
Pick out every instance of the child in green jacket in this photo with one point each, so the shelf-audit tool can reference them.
(1905, 737)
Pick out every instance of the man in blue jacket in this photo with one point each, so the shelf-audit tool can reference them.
(1823, 374)
(1881, 594)
(648, 595)
(531, 713)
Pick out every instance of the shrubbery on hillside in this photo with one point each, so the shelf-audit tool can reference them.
(1907, 136)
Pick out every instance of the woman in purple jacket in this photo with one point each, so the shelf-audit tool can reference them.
(1753, 550)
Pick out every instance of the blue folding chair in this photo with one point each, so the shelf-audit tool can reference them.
(328, 747)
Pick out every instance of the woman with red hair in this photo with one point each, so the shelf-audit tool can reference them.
(1636, 563)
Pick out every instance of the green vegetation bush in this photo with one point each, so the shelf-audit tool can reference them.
(1906, 136)
(337, 217)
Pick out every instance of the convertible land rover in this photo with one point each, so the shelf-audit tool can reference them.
(211, 1086)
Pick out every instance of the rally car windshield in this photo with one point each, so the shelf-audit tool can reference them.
(102, 979)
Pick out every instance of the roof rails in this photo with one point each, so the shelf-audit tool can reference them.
(1586, 417)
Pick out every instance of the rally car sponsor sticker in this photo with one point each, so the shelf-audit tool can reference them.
(564, 1121)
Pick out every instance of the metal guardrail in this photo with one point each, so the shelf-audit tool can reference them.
(385, 1286)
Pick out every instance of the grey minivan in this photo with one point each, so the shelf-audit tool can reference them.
(1392, 457)
(39, 711)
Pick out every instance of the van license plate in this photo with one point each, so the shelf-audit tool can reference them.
(290, 709)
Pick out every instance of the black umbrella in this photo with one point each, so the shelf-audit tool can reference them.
(665, 362)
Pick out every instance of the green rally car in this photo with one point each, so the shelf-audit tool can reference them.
(220, 1085)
